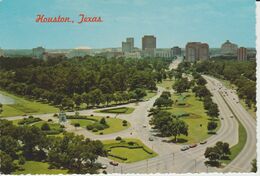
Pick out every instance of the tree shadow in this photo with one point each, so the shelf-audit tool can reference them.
(179, 141)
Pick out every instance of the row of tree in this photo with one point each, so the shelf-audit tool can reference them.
(242, 74)
(71, 152)
(103, 80)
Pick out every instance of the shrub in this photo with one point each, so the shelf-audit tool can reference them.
(89, 127)
(45, 127)
(108, 116)
(91, 115)
(21, 160)
(101, 133)
(103, 121)
(76, 125)
(118, 138)
(62, 126)
(124, 124)
(131, 143)
(30, 117)
(55, 115)
(94, 130)
(49, 120)
(124, 121)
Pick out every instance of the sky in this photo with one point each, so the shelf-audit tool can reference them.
(173, 22)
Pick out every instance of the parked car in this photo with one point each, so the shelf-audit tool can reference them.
(193, 145)
(104, 166)
(231, 116)
(144, 126)
(186, 147)
(203, 142)
(150, 139)
(113, 163)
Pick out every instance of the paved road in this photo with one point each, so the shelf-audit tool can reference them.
(170, 158)
(242, 162)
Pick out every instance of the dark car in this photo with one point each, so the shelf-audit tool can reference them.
(193, 145)
(113, 163)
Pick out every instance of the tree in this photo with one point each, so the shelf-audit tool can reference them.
(159, 102)
(254, 166)
(45, 127)
(67, 102)
(139, 93)
(77, 99)
(103, 121)
(212, 126)
(181, 85)
(1, 108)
(9, 145)
(178, 127)
(6, 166)
(213, 110)
(201, 81)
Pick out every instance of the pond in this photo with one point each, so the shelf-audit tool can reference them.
(6, 100)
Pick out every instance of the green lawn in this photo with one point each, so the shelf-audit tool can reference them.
(121, 110)
(149, 94)
(197, 119)
(167, 84)
(115, 124)
(23, 106)
(35, 167)
(53, 126)
(132, 155)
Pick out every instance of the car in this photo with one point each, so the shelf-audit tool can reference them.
(193, 145)
(186, 147)
(113, 163)
(203, 142)
(104, 166)
(150, 139)
(231, 116)
(144, 126)
(222, 118)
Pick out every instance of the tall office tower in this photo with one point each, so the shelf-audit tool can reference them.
(196, 51)
(148, 42)
(242, 54)
(128, 46)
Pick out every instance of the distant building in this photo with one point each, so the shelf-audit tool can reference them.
(50, 55)
(1, 52)
(229, 48)
(242, 54)
(164, 53)
(128, 46)
(38, 52)
(196, 51)
(136, 55)
(79, 53)
(148, 42)
(176, 51)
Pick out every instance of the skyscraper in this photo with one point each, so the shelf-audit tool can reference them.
(196, 51)
(128, 46)
(148, 42)
(242, 54)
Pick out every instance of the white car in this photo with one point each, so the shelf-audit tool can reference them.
(104, 166)
(186, 147)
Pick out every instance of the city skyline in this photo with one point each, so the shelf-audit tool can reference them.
(173, 23)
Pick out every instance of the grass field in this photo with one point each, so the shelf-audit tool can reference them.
(149, 94)
(132, 155)
(53, 126)
(197, 120)
(115, 124)
(167, 84)
(121, 110)
(35, 167)
(23, 106)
